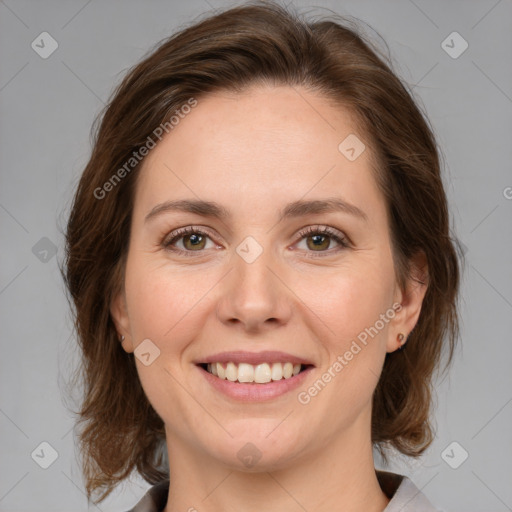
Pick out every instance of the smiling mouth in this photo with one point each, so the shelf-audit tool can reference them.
(257, 374)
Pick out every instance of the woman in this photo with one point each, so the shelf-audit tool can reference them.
(260, 260)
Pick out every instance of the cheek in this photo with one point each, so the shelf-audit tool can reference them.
(350, 300)
(353, 309)
(164, 306)
(349, 311)
(163, 302)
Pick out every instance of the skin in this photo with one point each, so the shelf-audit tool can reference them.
(253, 153)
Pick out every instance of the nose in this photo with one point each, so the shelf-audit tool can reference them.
(253, 295)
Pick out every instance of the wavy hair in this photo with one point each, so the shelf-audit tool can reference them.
(258, 42)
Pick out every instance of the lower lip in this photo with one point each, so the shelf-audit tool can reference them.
(252, 392)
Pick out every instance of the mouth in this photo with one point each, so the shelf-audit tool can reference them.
(254, 376)
(262, 373)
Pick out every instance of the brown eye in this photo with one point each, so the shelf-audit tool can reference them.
(196, 241)
(318, 242)
(192, 241)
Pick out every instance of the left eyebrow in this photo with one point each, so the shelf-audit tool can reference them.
(295, 209)
(334, 204)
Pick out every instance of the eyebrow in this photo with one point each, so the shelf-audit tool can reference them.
(292, 210)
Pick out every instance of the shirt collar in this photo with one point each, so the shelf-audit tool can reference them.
(403, 494)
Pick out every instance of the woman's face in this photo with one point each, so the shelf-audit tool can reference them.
(272, 275)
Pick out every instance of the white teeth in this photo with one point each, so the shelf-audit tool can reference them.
(245, 372)
(277, 371)
(287, 370)
(261, 373)
(231, 372)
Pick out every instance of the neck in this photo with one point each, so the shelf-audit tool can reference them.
(341, 476)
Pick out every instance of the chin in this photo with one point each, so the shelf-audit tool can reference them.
(256, 449)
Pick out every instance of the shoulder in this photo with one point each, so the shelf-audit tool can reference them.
(154, 500)
(404, 495)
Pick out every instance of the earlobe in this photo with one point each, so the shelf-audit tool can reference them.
(119, 314)
(411, 301)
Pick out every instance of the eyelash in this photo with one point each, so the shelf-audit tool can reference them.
(309, 231)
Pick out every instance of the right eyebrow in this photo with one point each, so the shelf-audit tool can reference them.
(199, 207)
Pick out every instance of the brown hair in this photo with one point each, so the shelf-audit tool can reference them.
(257, 42)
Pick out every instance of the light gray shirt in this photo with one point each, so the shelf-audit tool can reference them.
(403, 494)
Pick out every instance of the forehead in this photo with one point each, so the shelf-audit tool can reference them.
(256, 145)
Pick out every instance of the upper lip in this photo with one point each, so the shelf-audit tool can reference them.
(267, 356)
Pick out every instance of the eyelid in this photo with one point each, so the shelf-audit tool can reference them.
(338, 236)
(322, 229)
(179, 233)
(335, 234)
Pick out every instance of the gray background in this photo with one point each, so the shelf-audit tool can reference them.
(47, 108)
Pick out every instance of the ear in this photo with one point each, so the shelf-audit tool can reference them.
(411, 299)
(119, 313)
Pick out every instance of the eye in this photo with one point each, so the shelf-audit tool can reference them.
(318, 239)
(192, 240)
